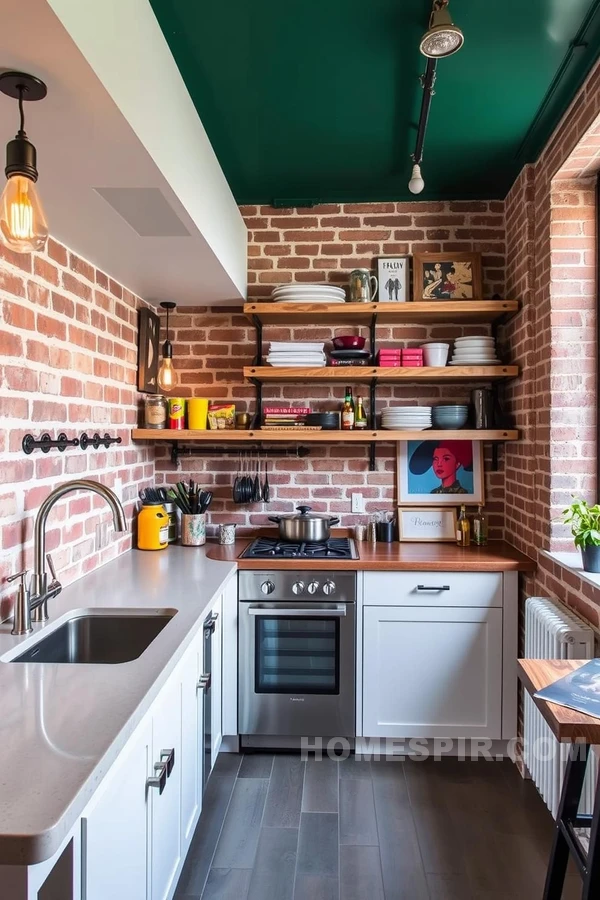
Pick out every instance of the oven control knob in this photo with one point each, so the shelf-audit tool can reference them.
(298, 587)
(329, 588)
(313, 587)
(267, 587)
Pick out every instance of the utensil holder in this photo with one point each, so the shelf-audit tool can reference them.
(193, 530)
(385, 532)
(227, 534)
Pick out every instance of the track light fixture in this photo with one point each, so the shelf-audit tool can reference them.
(443, 37)
(23, 225)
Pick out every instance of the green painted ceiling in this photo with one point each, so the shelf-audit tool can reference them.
(318, 100)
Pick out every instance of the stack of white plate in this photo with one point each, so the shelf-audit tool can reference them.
(308, 293)
(296, 353)
(474, 351)
(406, 418)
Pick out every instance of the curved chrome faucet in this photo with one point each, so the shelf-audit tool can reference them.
(41, 591)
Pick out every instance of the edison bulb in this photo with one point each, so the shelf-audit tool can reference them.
(416, 183)
(23, 225)
(167, 376)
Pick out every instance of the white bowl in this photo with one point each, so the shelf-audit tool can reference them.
(435, 356)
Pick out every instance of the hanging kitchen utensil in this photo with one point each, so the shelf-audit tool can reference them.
(266, 490)
(256, 489)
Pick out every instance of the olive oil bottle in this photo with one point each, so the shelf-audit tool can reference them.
(463, 529)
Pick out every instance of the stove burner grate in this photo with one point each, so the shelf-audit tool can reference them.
(334, 548)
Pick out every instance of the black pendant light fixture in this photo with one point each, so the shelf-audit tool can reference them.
(23, 225)
(168, 377)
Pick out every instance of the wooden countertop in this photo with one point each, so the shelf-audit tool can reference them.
(498, 556)
(566, 724)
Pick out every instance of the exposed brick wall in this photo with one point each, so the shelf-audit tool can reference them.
(323, 244)
(551, 240)
(68, 360)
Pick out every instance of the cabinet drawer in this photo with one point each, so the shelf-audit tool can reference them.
(433, 589)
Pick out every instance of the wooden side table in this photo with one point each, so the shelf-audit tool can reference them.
(568, 726)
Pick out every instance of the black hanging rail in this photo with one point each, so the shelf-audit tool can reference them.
(177, 451)
(47, 443)
(427, 83)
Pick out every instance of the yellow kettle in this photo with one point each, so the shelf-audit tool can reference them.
(152, 527)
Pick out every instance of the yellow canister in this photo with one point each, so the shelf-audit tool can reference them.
(197, 411)
(152, 527)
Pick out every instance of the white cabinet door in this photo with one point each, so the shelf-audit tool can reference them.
(165, 808)
(230, 657)
(114, 826)
(432, 672)
(216, 681)
(192, 728)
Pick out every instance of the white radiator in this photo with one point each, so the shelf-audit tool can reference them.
(553, 632)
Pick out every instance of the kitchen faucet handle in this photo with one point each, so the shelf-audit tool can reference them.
(21, 575)
(51, 566)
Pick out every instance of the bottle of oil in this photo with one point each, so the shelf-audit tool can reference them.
(480, 528)
(348, 416)
(463, 529)
(360, 420)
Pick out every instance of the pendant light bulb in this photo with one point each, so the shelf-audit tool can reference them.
(168, 377)
(443, 37)
(416, 183)
(23, 225)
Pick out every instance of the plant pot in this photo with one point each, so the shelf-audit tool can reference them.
(590, 556)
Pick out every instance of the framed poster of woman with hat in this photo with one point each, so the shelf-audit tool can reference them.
(436, 473)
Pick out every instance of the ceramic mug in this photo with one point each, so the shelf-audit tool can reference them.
(227, 534)
(193, 530)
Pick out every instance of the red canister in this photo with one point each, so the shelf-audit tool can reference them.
(176, 413)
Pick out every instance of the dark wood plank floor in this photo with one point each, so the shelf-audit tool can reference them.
(276, 828)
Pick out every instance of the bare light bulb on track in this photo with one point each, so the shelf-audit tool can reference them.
(416, 183)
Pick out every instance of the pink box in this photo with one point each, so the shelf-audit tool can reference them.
(412, 361)
(389, 363)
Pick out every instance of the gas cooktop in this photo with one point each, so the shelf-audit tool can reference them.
(272, 548)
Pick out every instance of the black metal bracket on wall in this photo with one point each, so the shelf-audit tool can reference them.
(177, 451)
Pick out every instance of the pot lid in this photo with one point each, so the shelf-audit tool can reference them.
(305, 514)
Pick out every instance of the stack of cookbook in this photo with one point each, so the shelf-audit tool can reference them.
(280, 417)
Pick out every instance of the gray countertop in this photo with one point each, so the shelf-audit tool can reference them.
(62, 726)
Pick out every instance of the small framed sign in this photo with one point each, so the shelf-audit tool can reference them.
(393, 278)
(427, 523)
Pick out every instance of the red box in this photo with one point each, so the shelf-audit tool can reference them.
(389, 363)
(412, 361)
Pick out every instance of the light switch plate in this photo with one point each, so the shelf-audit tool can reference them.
(358, 503)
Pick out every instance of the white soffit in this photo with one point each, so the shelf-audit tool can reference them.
(153, 210)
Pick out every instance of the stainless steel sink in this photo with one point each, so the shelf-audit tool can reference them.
(101, 638)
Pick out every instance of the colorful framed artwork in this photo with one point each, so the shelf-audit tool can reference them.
(429, 523)
(393, 278)
(447, 276)
(148, 351)
(440, 473)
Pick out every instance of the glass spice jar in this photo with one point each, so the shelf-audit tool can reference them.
(155, 412)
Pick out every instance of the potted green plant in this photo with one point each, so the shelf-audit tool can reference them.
(585, 528)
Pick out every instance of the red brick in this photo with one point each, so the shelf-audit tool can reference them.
(45, 270)
(51, 327)
(81, 267)
(56, 252)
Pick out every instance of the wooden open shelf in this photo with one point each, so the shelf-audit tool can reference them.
(365, 374)
(319, 437)
(420, 312)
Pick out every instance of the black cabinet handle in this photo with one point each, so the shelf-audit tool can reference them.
(433, 587)
(168, 758)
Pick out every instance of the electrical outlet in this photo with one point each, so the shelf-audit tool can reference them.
(358, 503)
(118, 488)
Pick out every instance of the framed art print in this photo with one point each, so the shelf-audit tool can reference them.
(392, 277)
(447, 276)
(148, 351)
(440, 473)
(429, 523)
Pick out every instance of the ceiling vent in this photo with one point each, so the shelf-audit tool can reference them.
(146, 210)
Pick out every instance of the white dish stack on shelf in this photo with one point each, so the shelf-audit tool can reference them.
(308, 293)
(288, 354)
(475, 351)
(406, 418)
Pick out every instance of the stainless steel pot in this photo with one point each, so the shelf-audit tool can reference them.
(304, 526)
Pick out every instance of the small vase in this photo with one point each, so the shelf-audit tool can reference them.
(193, 530)
(590, 555)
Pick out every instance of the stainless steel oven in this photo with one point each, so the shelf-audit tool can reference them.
(297, 634)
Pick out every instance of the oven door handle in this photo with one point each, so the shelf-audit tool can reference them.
(336, 612)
